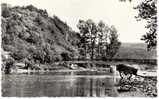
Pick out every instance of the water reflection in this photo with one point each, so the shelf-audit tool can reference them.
(56, 86)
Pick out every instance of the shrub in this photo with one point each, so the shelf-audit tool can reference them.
(19, 54)
(39, 19)
(28, 63)
(65, 56)
(8, 47)
(34, 38)
(31, 8)
(8, 64)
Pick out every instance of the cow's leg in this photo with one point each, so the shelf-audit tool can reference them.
(121, 74)
(130, 75)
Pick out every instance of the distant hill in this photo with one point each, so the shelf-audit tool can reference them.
(135, 51)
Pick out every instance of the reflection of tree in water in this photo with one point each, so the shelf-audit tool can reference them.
(81, 87)
(92, 87)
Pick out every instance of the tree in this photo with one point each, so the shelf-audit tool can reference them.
(100, 27)
(88, 30)
(113, 46)
(99, 38)
(83, 35)
(103, 31)
(92, 28)
(148, 11)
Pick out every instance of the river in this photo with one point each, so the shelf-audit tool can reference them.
(58, 85)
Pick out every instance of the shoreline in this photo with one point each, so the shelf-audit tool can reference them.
(143, 87)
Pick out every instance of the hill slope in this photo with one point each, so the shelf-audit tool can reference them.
(29, 33)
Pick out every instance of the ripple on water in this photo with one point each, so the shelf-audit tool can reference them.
(60, 85)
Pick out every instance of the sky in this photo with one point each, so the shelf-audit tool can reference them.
(112, 12)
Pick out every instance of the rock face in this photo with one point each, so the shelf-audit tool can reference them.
(28, 32)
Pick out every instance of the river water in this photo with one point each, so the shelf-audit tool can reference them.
(58, 85)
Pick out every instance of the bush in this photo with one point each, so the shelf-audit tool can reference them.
(34, 38)
(24, 35)
(65, 56)
(39, 19)
(43, 12)
(7, 39)
(31, 8)
(19, 54)
(8, 47)
(8, 64)
(56, 58)
(28, 63)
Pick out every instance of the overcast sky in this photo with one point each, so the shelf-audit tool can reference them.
(112, 12)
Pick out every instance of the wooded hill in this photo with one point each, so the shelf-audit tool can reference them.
(30, 33)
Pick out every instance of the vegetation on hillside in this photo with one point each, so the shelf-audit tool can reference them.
(30, 34)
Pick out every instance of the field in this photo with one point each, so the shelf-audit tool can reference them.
(135, 51)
